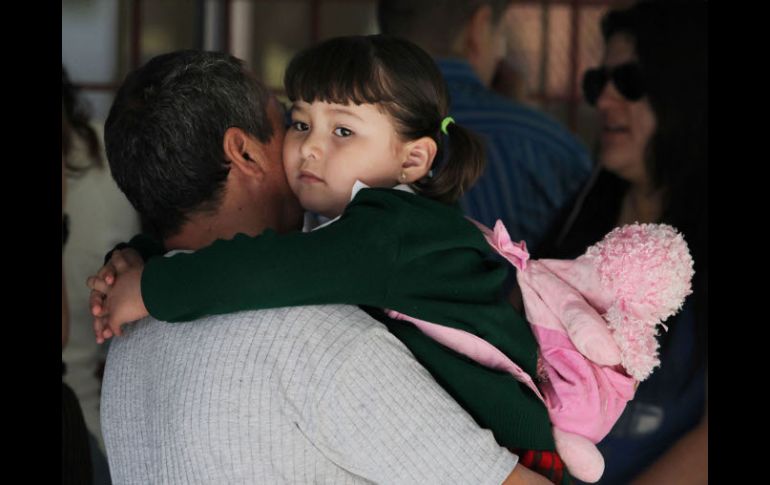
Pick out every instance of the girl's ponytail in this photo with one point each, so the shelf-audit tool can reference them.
(460, 170)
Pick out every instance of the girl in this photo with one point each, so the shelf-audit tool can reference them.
(366, 127)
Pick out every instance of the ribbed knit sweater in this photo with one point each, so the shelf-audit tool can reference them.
(315, 394)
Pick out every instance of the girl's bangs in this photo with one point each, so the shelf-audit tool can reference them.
(337, 73)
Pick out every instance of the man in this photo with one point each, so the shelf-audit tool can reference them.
(294, 395)
(534, 165)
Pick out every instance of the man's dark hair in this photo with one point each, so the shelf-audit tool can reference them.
(432, 24)
(164, 133)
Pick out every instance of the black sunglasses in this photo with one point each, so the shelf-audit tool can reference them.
(627, 78)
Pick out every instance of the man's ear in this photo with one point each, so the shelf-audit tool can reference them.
(244, 153)
(418, 159)
(476, 31)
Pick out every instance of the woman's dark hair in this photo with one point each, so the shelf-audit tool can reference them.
(74, 122)
(670, 40)
(670, 43)
(401, 78)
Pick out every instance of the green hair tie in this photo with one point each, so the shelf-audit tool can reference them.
(445, 122)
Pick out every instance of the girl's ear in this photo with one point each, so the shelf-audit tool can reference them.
(419, 159)
(244, 153)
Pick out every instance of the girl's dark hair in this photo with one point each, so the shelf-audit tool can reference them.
(401, 78)
(74, 122)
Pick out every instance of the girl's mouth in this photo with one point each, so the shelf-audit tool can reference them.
(309, 177)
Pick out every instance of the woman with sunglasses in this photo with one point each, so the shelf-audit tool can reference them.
(651, 96)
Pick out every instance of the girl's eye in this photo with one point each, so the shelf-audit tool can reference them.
(342, 132)
(299, 126)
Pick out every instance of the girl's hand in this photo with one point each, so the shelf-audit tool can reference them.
(115, 300)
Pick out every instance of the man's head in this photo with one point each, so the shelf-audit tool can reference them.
(178, 129)
(471, 29)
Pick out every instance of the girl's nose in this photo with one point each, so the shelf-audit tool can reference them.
(311, 147)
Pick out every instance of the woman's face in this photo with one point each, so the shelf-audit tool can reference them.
(626, 126)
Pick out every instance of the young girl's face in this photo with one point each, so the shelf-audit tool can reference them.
(329, 146)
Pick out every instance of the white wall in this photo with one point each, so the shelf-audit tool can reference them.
(90, 47)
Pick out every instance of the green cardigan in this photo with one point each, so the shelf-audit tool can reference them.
(389, 249)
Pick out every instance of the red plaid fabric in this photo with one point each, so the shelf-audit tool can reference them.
(546, 463)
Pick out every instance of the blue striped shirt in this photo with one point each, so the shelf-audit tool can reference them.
(534, 164)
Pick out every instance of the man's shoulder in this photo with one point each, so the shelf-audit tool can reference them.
(495, 116)
(489, 107)
(322, 326)
(303, 348)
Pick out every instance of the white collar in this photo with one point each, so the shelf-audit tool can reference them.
(360, 185)
(177, 251)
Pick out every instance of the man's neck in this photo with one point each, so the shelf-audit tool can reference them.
(203, 229)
